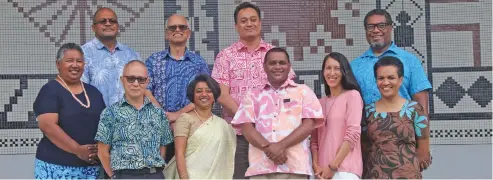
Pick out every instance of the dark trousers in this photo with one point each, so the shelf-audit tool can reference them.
(170, 152)
(241, 157)
(139, 174)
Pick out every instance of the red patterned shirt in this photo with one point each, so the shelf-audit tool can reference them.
(241, 71)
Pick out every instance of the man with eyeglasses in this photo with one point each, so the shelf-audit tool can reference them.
(105, 57)
(378, 28)
(172, 70)
(133, 133)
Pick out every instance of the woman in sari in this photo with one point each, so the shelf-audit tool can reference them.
(205, 144)
(396, 129)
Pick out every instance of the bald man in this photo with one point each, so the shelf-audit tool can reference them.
(172, 70)
(105, 56)
(133, 133)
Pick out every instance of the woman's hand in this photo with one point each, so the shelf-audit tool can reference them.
(88, 153)
(317, 170)
(424, 159)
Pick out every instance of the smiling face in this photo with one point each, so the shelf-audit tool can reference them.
(277, 68)
(203, 97)
(71, 66)
(332, 73)
(248, 24)
(388, 81)
(378, 32)
(177, 30)
(105, 24)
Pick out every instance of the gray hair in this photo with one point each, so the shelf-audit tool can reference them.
(65, 47)
(166, 24)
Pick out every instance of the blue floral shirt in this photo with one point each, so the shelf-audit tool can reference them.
(170, 77)
(134, 135)
(415, 79)
(104, 68)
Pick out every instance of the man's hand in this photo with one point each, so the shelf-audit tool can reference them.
(276, 153)
(172, 116)
(326, 173)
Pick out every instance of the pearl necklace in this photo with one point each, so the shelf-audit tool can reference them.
(199, 116)
(73, 95)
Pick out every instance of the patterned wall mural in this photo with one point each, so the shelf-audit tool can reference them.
(451, 37)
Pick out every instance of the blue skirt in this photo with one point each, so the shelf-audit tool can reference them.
(44, 170)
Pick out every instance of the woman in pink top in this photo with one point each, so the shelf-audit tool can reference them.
(336, 149)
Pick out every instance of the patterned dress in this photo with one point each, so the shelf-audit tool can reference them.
(392, 141)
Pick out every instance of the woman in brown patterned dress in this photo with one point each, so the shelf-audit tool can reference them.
(396, 130)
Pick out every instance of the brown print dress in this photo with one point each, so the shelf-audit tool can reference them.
(391, 141)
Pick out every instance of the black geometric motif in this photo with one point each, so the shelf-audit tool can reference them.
(450, 92)
(481, 91)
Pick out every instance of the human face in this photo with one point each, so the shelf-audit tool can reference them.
(277, 68)
(332, 73)
(378, 38)
(136, 89)
(71, 66)
(388, 81)
(177, 30)
(105, 24)
(248, 24)
(203, 97)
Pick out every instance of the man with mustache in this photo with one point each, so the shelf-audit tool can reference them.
(172, 70)
(105, 57)
(238, 69)
(378, 28)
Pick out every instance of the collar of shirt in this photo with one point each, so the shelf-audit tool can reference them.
(288, 82)
(392, 48)
(240, 46)
(124, 101)
(100, 45)
(186, 56)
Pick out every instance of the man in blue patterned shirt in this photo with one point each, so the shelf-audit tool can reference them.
(133, 133)
(378, 28)
(105, 57)
(172, 70)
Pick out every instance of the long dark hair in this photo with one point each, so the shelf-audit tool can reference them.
(348, 81)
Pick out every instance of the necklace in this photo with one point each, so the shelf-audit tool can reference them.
(200, 116)
(73, 95)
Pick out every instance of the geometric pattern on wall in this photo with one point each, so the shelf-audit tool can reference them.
(455, 50)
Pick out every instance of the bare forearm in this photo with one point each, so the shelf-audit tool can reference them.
(181, 165)
(186, 109)
(162, 151)
(299, 134)
(422, 98)
(423, 146)
(314, 156)
(58, 137)
(104, 157)
(341, 154)
(227, 101)
(253, 136)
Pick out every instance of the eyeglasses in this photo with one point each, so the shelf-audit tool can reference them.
(380, 26)
(174, 27)
(104, 21)
(131, 79)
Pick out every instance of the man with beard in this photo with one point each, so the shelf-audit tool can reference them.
(105, 57)
(378, 28)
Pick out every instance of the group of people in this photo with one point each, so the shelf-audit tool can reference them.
(110, 114)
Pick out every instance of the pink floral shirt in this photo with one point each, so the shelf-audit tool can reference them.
(276, 114)
(241, 71)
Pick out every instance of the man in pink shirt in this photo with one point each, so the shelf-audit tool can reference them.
(276, 119)
(238, 69)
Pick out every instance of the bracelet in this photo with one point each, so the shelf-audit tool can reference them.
(332, 169)
(265, 145)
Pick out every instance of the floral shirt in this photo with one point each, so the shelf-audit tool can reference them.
(134, 135)
(392, 141)
(104, 68)
(276, 114)
(241, 70)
